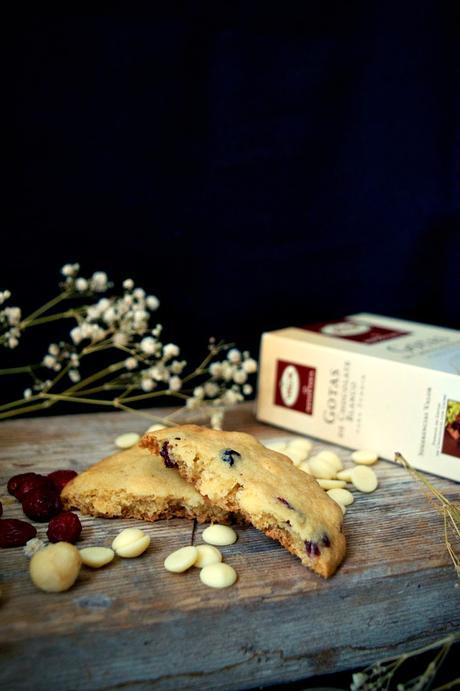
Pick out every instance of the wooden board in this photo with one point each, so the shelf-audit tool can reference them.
(133, 625)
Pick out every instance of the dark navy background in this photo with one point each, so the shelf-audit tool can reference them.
(254, 165)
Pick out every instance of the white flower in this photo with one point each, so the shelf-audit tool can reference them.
(12, 342)
(211, 389)
(128, 284)
(53, 349)
(198, 392)
(250, 366)
(230, 397)
(27, 394)
(109, 315)
(131, 363)
(86, 330)
(70, 269)
(76, 335)
(215, 369)
(102, 305)
(49, 361)
(157, 330)
(74, 375)
(99, 281)
(120, 339)
(139, 293)
(147, 384)
(217, 419)
(13, 314)
(148, 345)
(175, 383)
(193, 403)
(97, 334)
(227, 371)
(247, 389)
(4, 296)
(170, 350)
(159, 373)
(153, 302)
(239, 376)
(81, 284)
(74, 360)
(140, 315)
(234, 356)
(177, 366)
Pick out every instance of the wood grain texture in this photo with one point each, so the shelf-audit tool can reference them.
(133, 625)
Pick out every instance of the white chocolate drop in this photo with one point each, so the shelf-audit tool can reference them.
(364, 457)
(344, 475)
(219, 535)
(218, 575)
(331, 484)
(321, 468)
(330, 457)
(364, 478)
(154, 428)
(341, 496)
(181, 560)
(127, 440)
(207, 554)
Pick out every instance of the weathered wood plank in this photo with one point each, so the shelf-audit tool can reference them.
(136, 626)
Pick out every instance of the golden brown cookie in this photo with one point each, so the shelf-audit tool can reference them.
(136, 484)
(238, 474)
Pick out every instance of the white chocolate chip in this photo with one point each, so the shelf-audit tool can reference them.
(341, 496)
(331, 484)
(275, 445)
(330, 457)
(364, 457)
(154, 428)
(126, 441)
(96, 556)
(295, 455)
(301, 444)
(344, 475)
(207, 554)
(131, 542)
(364, 478)
(181, 560)
(321, 468)
(344, 508)
(218, 575)
(55, 568)
(220, 535)
(305, 467)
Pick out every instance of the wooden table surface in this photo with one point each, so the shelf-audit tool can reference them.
(133, 625)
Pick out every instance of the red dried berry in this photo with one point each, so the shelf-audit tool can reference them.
(61, 478)
(16, 480)
(65, 527)
(14, 533)
(41, 504)
(38, 482)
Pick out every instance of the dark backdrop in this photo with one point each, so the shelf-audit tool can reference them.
(254, 165)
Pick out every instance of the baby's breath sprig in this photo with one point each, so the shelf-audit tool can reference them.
(449, 510)
(380, 675)
(117, 325)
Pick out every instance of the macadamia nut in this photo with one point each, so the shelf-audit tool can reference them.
(55, 568)
(130, 543)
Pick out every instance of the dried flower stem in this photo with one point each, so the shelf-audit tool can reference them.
(449, 510)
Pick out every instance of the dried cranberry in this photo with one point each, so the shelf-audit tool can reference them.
(325, 540)
(61, 478)
(65, 527)
(41, 504)
(285, 502)
(38, 482)
(14, 533)
(164, 453)
(15, 481)
(312, 548)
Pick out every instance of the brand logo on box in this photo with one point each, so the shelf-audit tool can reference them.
(295, 386)
(355, 331)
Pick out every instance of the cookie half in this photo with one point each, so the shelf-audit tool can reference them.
(136, 484)
(237, 473)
